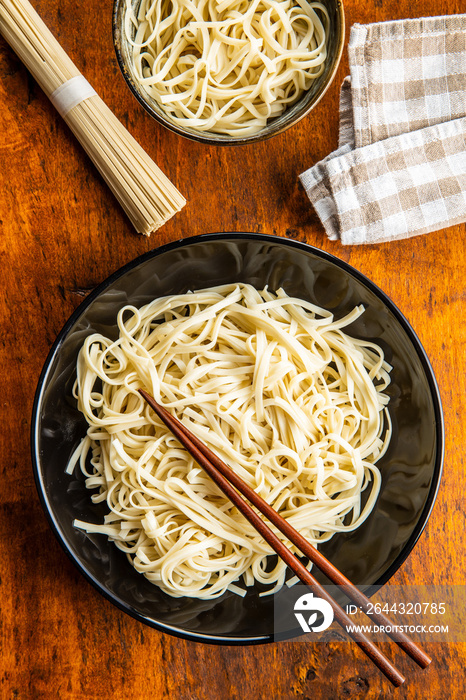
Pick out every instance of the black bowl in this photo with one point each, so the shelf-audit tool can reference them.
(411, 468)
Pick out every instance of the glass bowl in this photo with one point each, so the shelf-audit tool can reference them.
(411, 468)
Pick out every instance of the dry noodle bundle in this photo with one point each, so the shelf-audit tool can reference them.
(145, 193)
(272, 384)
(226, 66)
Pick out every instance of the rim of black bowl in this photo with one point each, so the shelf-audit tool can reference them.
(276, 240)
(275, 127)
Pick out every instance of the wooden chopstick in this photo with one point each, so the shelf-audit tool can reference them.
(231, 483)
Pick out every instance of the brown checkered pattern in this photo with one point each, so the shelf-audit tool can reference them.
(400, 169)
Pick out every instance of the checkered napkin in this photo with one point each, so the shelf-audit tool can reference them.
(400, 168)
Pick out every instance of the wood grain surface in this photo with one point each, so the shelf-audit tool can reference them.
(62, 233)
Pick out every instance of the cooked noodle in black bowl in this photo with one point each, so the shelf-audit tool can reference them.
(410, 468)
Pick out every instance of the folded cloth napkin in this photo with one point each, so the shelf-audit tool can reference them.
(400, 168)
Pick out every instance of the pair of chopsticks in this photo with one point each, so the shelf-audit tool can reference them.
(230, 484)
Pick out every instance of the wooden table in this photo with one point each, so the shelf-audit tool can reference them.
(62, 233)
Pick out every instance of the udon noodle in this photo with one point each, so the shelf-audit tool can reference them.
(274, 385)
(226, 66)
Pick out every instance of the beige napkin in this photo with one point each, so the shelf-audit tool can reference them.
(400, 169)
